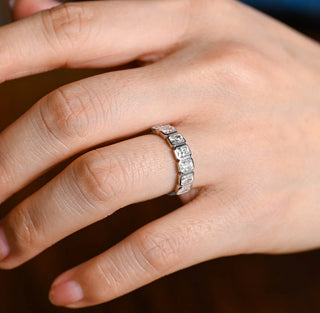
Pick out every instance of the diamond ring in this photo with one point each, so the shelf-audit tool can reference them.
(182, 154)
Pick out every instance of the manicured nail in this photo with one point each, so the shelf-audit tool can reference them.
(4, 246)
(66, 293)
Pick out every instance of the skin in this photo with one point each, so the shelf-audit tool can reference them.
(241, 87)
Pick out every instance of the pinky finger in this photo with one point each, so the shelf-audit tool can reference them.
(187, 236)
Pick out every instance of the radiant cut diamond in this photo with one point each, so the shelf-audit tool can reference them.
(168, 129)
(186, 179)
(165, 129)
(176, 139)
(183, 189)
(186, 166)
(182, 152)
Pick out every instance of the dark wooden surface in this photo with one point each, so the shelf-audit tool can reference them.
(242, 284)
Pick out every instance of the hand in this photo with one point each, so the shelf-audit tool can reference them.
(241, 87)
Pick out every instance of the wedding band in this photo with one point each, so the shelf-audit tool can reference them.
(182, 154)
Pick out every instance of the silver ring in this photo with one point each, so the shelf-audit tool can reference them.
(182, 154)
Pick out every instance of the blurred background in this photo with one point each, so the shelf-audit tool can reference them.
(242, 284)
(4, 12)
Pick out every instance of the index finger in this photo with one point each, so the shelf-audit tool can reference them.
(90, 34)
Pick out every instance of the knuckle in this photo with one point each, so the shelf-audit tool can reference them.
(235, 65)
(25, 229)
(7, 177)
(65, 23)
(110, 278)
(241, 66)
(105, 279)
(157, 252)
(101, 178)
(69, 113)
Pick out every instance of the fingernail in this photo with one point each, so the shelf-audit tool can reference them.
(66, 293)
(4, 246)
(12, 3)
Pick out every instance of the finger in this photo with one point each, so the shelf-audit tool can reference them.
(90, 34)
(83, 114)
(24, 8)
(187, 236)
(91, 188)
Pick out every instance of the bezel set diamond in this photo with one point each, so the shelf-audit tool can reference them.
(182, 154)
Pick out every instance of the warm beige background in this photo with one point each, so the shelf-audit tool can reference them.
(245, 284)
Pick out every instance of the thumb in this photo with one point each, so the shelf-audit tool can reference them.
(24, 8)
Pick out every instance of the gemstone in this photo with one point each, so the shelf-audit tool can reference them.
(186, 179)
(176, 139)
(183, 189)
(165, 129)
(157, 127)
(186, 166)
(182, 152)
(168, 129)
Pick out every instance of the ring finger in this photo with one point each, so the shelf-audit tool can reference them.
(80, 115)
(93, 187)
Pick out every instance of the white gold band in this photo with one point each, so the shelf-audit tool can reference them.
(182, 154)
